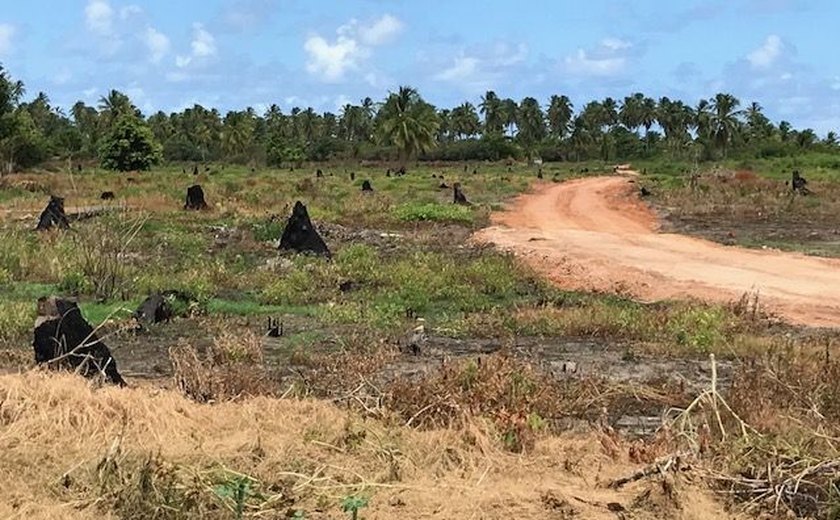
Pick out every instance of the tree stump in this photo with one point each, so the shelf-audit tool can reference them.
(154, 309)
(798, 183)
(300, 235)
(63, 339)
(107, 195)
(366, 186)
(460, 198)
(195, 198)
(53, 215)
(352, 176)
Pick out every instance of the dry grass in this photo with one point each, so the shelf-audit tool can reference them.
(74, 451)
(231, 368)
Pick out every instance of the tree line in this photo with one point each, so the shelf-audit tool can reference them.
(401, 127)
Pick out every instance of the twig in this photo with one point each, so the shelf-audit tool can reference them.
(660, 466)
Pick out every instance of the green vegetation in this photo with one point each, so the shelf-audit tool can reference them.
(402, 127)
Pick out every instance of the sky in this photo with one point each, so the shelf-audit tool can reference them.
(229, 54)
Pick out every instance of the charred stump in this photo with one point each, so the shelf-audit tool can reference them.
(195, 169)
(107, 195)
(539, 174)
(300, 235)
(443, 186)
(352, 176)
(798, 183)
(53, 215)
(366, 186)
(64, 340)
(195, 198)
(275, 328)
(319, 174)
(460, 198)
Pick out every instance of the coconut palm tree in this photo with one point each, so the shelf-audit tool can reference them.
(408, 123)
(465, 121)
(560, 111)
(530, 122)
(492, 110)
(725, 120)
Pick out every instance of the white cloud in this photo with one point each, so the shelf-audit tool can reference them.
(203, 45)
(7, 32)
(331, 60)
(90, 92)
(584, 64)
(463, 68)
(99, 16)
(768, 53)
(381, 31)
(129, 11)
(157, 43)
(615, 44)
(608, 58)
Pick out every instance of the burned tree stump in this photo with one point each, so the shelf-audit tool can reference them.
(157, 308)
(319, 174)
(64, 340)
(352, 176)
(300, 235)
(195, 198)
(53, 215)
(107, 195)
(460, 198)
(443, 186)
(195, 169)
(275, 328)
(366, 186)
(539, 174)
(798, 183)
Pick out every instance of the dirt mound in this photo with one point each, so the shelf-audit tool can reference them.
(73, 452)
(595, 234)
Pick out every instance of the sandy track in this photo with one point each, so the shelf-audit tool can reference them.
(595, 234)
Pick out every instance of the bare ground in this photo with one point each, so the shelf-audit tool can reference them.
(596, 234)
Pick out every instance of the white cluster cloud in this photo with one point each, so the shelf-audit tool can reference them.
(482, 68)
(203, 45)
(330, 61)
(7, 33)
(157, 43)
(768, 53)
(608, 58)
(99, 16)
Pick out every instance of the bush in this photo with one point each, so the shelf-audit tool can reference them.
(130, 146)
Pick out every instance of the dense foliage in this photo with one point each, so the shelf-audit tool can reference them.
(402, 127)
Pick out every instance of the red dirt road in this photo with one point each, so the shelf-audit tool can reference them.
(595, 234)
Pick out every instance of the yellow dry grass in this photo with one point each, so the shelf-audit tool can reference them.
(56, 429)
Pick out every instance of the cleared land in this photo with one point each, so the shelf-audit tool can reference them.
(595, 234)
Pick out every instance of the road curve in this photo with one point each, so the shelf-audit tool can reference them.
(595, 234)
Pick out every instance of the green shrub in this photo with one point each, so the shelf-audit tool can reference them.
(433, 212)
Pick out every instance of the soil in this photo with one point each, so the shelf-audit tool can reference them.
(595, 234)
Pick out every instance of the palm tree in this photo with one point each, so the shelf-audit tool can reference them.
(830, 139)
(465, 121)
(492, 110)
(530, 122)
(560, 111)
(510, 114)
(725, 122)
(114, 105)
(407, 122)
(630, 113)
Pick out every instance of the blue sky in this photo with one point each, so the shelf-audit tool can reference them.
(229, 54)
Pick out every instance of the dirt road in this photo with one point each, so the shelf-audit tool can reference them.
(595, 234)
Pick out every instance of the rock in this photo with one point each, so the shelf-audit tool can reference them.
(53, 215)
(366, 186)
(63, 339)
(195, 198)
(301, 236)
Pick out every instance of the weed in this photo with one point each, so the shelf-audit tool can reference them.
(352, 504)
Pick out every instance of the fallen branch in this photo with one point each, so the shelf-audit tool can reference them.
(659, 467)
